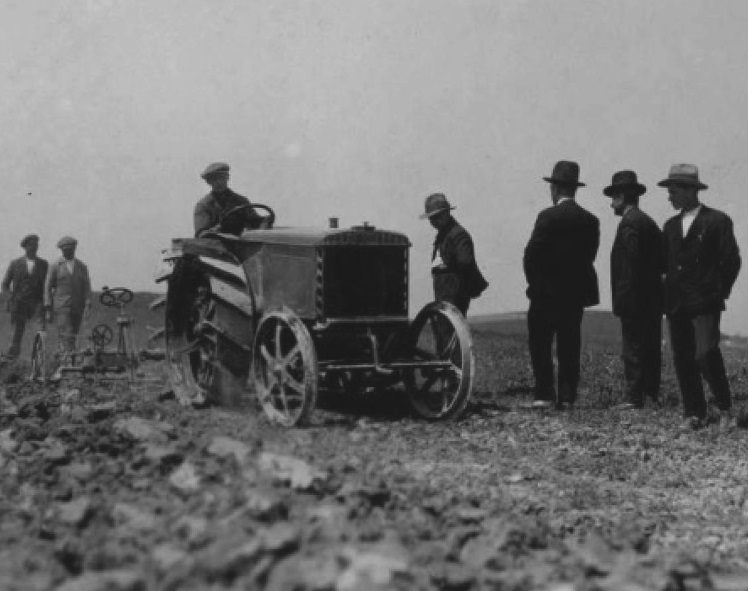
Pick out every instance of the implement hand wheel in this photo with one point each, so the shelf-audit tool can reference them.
(39, 366)
(265, 221)
(101, 335)
(116, 296)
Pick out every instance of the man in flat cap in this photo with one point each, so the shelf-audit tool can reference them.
(701, 260)
(636, 285)
(211, 211)
(454, 270)
(24, 280)
(562, 282)
(67, 292)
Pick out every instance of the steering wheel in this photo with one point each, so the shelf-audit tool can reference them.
(115, 296)
(265, 221)
(101, 335)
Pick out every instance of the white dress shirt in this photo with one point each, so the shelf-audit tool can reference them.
(688, 217)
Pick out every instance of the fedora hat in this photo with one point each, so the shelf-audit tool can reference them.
(624, 181)
(435, 203)
(565, 173)
(683, 174)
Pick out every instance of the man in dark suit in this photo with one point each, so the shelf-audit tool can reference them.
(562, 282)
(24, 280)
(636, 285)
(455, 273)
(701, 261)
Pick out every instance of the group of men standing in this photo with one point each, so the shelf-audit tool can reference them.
(687, 271)
(38, 293)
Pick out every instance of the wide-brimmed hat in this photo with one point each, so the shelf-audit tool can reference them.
(565, 173)
(624, 181)
(215, 168)
(28, 238)
(66, 241)
(435, 203)
(683, 174)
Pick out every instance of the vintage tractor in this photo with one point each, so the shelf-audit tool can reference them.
(284, 312)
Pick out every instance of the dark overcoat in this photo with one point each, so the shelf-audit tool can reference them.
(702, 266)
(559, 257)
(459, 278)
(26, 289)
(635, 270)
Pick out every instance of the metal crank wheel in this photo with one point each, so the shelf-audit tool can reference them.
(38, 372)
(284, 368)
(440, 333)
(101, 335)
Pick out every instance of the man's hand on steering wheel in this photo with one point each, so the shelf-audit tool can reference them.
(263, 223)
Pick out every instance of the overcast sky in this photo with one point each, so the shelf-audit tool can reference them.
(109, 110)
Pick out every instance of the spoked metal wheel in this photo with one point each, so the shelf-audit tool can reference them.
(284, 368)
(191, 339)
(39, 364)
(440, 336)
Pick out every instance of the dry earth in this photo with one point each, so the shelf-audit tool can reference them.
(109, 488)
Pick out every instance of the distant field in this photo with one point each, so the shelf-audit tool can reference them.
(598, 327)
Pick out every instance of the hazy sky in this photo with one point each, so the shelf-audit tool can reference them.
(109, 110)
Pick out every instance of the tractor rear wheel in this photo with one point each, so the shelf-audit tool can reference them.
(190, 343)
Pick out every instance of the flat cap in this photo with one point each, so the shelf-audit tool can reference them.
(215, 168)
(66, 241)
(29, 238)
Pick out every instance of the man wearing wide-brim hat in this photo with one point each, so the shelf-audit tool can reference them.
(454, 270)
(561, 282)
(67, 292)
(24, 281)
(636, 287)
(701, 263)
(223, 210)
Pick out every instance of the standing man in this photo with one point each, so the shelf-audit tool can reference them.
(67, 292)
(24, 279)
(454, 271)
(636, 285)
(211, 209)
(562, 282)
(701, 260)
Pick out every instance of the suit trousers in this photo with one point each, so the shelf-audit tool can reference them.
(696, 353)
(546, 320)
(68, 324)
(24, 313)
(642, 355)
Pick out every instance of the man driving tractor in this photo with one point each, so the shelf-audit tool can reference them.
(222, 210)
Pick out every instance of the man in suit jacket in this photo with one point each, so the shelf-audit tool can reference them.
(454, 271)
(636, 285)
(701, 261)
(561, 278)
(67, 292)
(24, 279)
